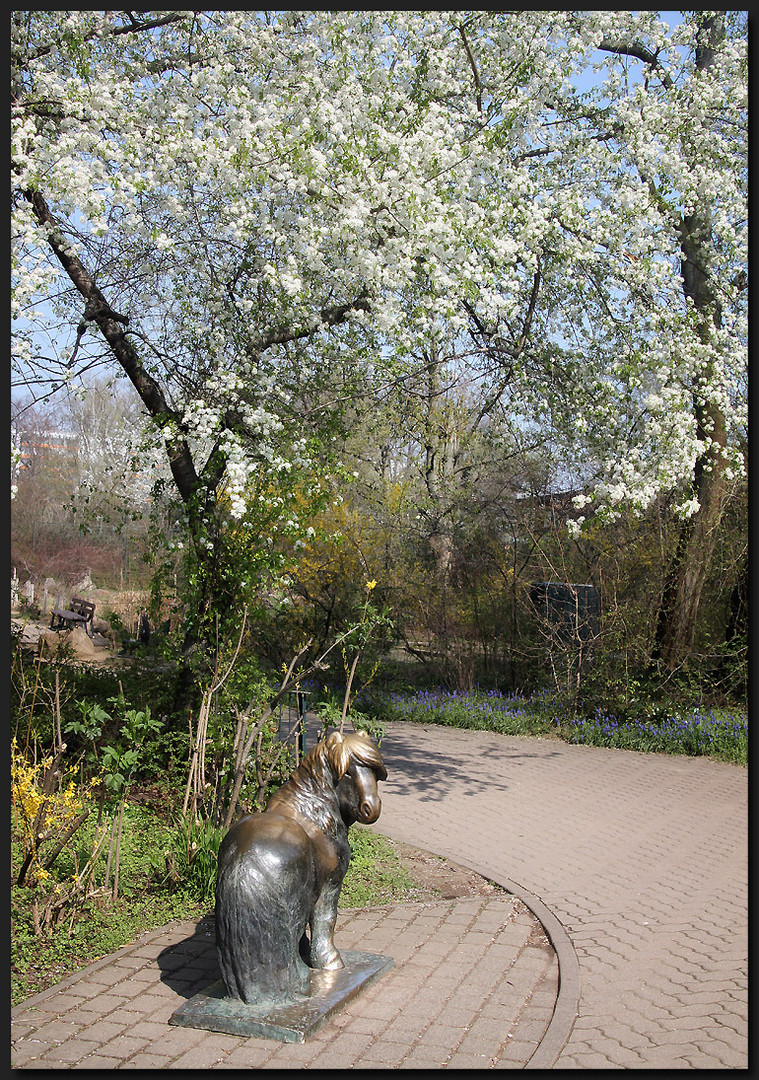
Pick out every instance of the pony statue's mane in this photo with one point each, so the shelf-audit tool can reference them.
(310, 791)
(338, 751)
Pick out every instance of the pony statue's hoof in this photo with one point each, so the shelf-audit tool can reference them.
(333, 961)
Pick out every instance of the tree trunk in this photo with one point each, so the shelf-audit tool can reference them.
(678, 613)
(196, 488)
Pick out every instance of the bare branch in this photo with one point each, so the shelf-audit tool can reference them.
(111, 325)
(639, 51)
(473, 65)
(331, 316)
(531, 309)
(134, 27)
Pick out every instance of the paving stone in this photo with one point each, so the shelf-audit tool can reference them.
(514, 1052)
(251, 1054)
(202, 1056)
(462, 1060)
(69, 1053)
(657, 920)
(422, 1057)
(101, 1062)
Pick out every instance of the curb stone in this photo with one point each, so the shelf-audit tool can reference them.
(566, 1009)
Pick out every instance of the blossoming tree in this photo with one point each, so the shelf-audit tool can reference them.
(249, 213)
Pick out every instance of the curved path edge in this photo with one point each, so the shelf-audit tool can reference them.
(566, 1009)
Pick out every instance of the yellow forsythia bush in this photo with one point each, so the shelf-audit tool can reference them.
(45, 811)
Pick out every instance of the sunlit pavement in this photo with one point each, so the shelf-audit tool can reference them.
(623, 944)
(642, 859)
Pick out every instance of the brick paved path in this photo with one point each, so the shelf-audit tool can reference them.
(642, 857)
(474, 985)
(636, 865)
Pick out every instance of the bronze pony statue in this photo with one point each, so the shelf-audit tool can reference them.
(281, 871)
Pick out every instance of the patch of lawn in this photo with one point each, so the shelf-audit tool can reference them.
(376, 875)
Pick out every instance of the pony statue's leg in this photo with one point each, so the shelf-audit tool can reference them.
(323, 952)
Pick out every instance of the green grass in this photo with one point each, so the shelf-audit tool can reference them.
(375, 875)
(148, 899)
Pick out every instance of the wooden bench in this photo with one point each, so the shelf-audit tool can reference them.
(78, 613)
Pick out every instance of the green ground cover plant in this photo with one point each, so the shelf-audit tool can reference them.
(695, 730)
(95, 925)
(161, 881)
(717, 733)
(375, 874)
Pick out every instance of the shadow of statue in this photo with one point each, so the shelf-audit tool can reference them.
(192, 964)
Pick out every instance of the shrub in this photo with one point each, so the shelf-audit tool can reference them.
(48, 809)
(191, 859)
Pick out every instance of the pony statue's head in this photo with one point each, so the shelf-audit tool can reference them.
(340, 751)
(345, 767)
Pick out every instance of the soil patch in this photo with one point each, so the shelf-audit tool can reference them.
(436, 878)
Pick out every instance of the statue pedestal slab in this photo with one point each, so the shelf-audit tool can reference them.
(289, 1021)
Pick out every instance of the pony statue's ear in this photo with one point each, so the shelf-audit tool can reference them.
(338, 755)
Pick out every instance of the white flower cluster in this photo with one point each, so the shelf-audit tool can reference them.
(425, 164)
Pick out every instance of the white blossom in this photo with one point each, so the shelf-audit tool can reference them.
(231, 173)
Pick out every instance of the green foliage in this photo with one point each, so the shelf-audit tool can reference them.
(221, 565)
(375, 874)
(156, 890)
(190, 861)
(119, 760)
(488, 710)
(93, 717)
(71, 895)
(330, 710)
(39, 963)
(76, 694)
(40, 960)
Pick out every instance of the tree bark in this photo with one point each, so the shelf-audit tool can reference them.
(678, 614)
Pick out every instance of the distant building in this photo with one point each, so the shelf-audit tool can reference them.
(30, 444)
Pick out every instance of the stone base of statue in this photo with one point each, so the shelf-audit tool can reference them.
(291, 1020)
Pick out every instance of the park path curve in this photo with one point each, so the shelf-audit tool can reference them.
(642, 859)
